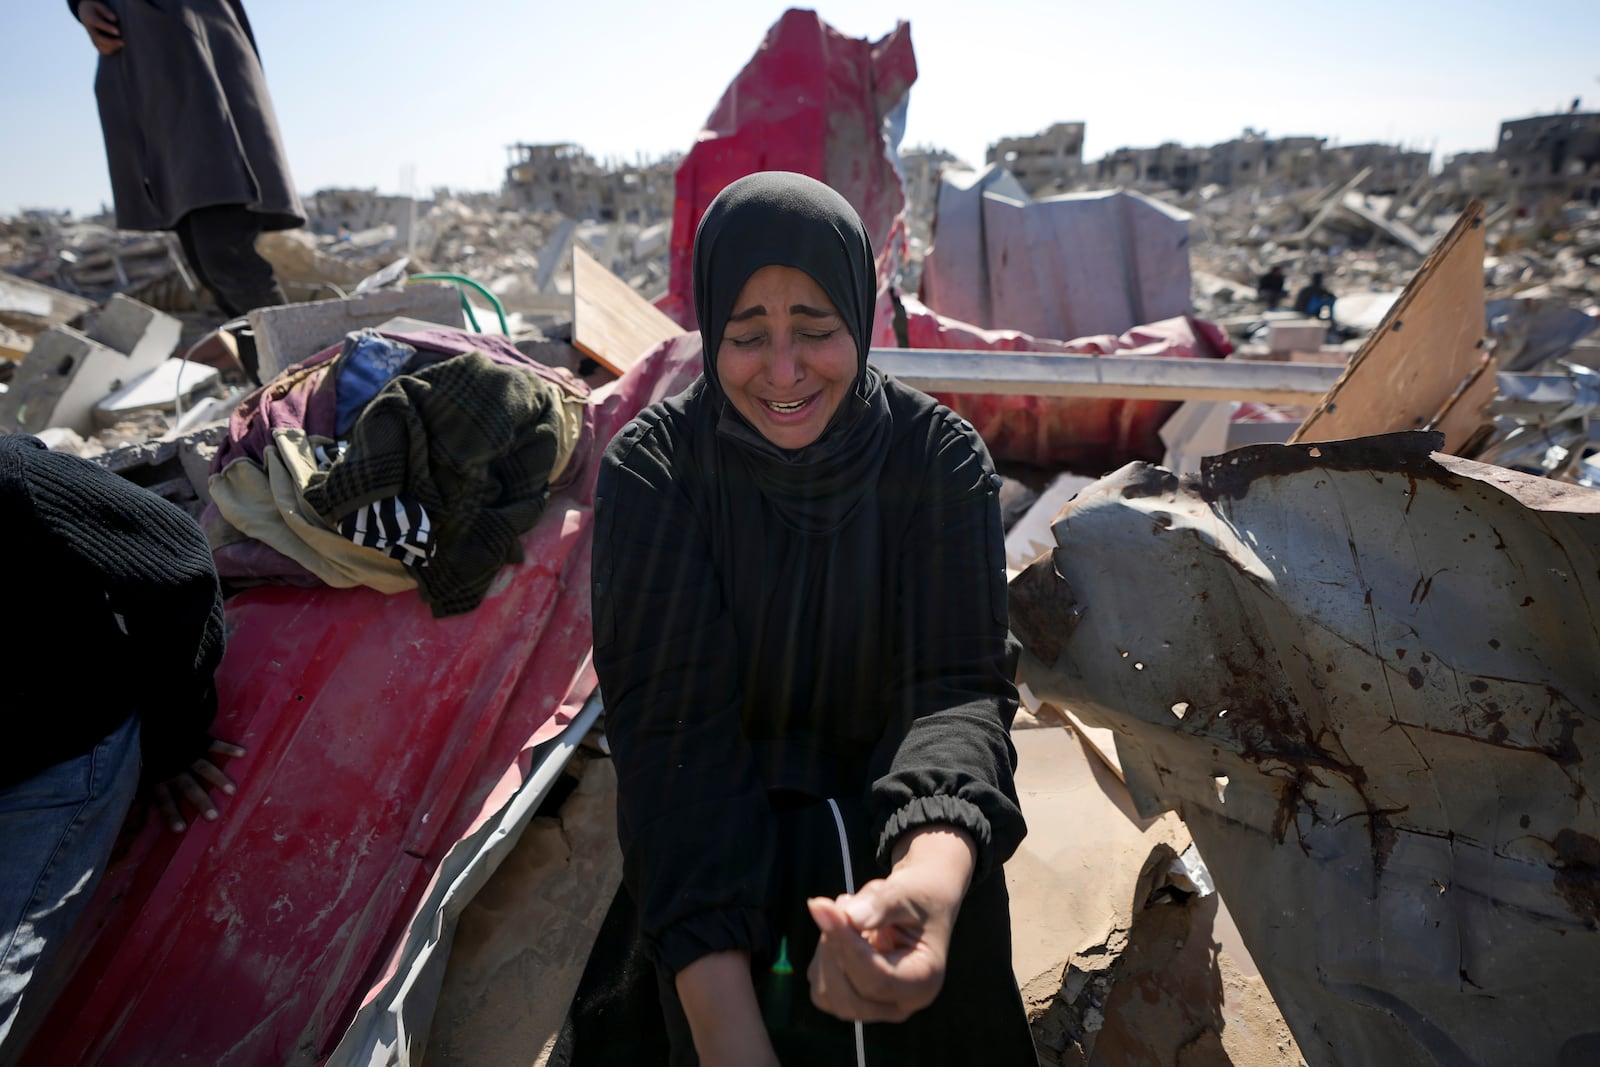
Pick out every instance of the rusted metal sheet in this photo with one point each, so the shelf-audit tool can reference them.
(1364, 673)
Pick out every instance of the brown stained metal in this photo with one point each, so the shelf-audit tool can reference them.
(1232, 474)
(1388, 663)
(1043, 614)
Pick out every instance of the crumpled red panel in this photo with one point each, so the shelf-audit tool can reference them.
(377, 737)
(813, 101)
(1085, 436)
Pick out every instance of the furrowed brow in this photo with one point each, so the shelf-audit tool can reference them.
(811, 312)
(748, 313)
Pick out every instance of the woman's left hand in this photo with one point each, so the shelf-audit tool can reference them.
(883, 949)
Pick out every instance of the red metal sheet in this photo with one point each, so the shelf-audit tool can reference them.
(1085, 436)
(813, 101)
(376, 736)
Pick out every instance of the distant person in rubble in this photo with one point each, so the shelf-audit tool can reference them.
(801, 636)
(1270, 288)
(191, 138)
(1315, 301)
(115, 628)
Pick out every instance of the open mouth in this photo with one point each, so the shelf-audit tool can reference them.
(790, 407)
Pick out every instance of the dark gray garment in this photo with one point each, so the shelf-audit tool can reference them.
(187, 119)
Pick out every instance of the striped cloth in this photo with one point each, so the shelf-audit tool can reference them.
(397, 526)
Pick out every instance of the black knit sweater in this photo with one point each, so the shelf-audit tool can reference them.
(112, 607)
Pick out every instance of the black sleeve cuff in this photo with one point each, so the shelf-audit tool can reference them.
(942, 809)
(730, 929)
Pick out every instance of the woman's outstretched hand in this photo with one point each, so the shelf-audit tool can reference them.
(884, 948)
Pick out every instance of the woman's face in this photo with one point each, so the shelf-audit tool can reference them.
(786, 361)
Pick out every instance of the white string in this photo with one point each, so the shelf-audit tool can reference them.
(849, 887)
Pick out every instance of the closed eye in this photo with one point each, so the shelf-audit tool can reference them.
(818, 335)
(746, 342)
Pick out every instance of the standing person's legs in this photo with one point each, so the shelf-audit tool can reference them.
(220, 243)
(186, 239)
(56, 833)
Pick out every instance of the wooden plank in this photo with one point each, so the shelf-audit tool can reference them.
(1426, 365)
(611, 323)
(1131, 377)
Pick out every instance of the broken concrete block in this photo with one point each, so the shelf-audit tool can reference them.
(1301, 335)
(176, 470)
(195, 453)
(651, 240)
(146, 336)
(288, 334)
(61, 439)
(67, 372)
(59, 383)
(159, 390)
(37, 303)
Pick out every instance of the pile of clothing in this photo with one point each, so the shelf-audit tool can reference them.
(396, 460)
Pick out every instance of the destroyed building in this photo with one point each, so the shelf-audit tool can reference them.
(1474, 174)
(1254, 158)
(1553, 156)
(1392, 168)
(1045, 163)
(553, 177)
(1251, 159)
(1169, 165)
(566, 179)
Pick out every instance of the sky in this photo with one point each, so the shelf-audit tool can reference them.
(403, 95)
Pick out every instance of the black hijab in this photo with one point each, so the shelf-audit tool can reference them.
(783, 219)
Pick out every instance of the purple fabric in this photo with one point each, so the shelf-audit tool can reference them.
(302, 396)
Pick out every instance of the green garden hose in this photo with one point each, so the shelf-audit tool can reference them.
(461, 279)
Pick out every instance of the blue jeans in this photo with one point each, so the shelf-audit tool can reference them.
(56, 833)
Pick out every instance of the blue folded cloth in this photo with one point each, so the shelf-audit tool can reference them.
(363, 367)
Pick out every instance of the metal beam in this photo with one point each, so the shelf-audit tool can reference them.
(1129, 377)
